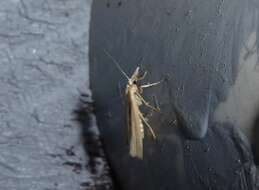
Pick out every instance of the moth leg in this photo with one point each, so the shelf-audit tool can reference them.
(149, 85)
(147, 104)
(143, 76)
(149, 127)
(156, 102)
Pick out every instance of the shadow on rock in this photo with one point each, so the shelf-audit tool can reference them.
(97, 163)
(89, 135)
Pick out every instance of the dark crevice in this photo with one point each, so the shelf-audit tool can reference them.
(255, 140)
(93, 146)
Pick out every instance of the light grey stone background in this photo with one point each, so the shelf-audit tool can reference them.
(43, 73)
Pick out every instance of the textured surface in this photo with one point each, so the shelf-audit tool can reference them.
(43, 74)
(198, 49)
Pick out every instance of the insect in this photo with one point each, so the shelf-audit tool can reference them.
(135, 119)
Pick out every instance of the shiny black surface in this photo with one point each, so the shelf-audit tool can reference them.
(196, 49)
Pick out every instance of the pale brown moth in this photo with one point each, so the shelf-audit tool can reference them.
(135, 119)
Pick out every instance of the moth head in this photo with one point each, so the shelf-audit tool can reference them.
(132, 81)
(137, 76)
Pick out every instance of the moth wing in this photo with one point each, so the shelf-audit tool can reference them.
(138, 100)
(128, 116)
(136, 128)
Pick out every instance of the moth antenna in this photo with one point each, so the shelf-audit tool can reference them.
(116, 63)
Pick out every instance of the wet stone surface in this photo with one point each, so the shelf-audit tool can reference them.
(194, 47)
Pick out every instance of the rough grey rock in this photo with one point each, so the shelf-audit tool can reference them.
(43, 73)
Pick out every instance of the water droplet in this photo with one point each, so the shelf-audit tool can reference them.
(188, 147)
(207, 149)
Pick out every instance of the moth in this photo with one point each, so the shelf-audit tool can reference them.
(135, 119)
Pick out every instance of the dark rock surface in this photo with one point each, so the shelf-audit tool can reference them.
(194, 47)
(43, 74)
